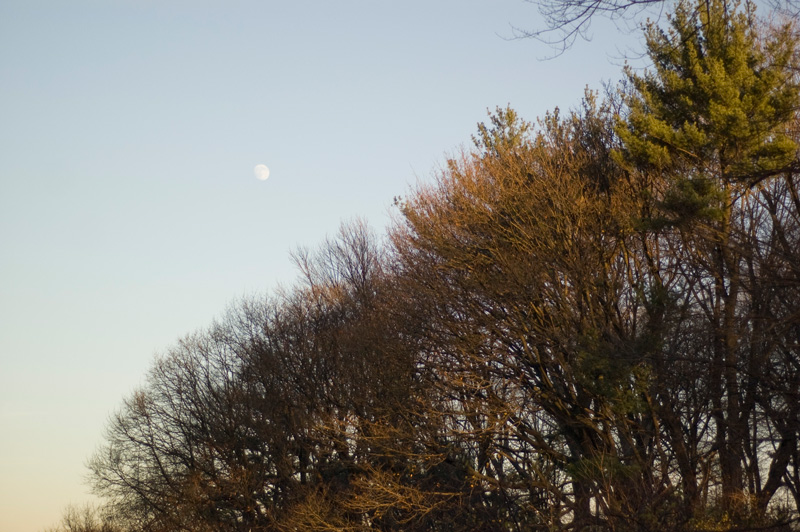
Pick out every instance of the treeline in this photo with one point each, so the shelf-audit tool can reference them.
(591, 323)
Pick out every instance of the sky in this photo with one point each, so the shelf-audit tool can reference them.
(130, 214)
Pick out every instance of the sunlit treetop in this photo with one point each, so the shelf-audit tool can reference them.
(721, 91)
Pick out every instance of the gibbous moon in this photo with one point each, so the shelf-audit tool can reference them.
(261, 171)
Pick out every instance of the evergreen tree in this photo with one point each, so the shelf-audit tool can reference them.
(709, 122)
(716, 102)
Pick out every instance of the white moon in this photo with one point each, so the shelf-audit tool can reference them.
(261, 171)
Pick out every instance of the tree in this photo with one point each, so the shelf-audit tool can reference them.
(238, 424)
(536, 332)
(85, 519)
(718, 99)
(711, 124)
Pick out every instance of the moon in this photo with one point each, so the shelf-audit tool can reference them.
(261, 171)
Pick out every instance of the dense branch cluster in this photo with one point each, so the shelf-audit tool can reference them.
(587, 324)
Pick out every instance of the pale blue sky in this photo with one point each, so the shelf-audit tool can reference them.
(129, 212)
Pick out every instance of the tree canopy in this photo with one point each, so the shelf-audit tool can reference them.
(587, 322)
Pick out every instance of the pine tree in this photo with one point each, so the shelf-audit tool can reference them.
(709, 122)
(717, 100)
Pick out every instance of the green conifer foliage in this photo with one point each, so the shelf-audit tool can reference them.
(717, 100)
